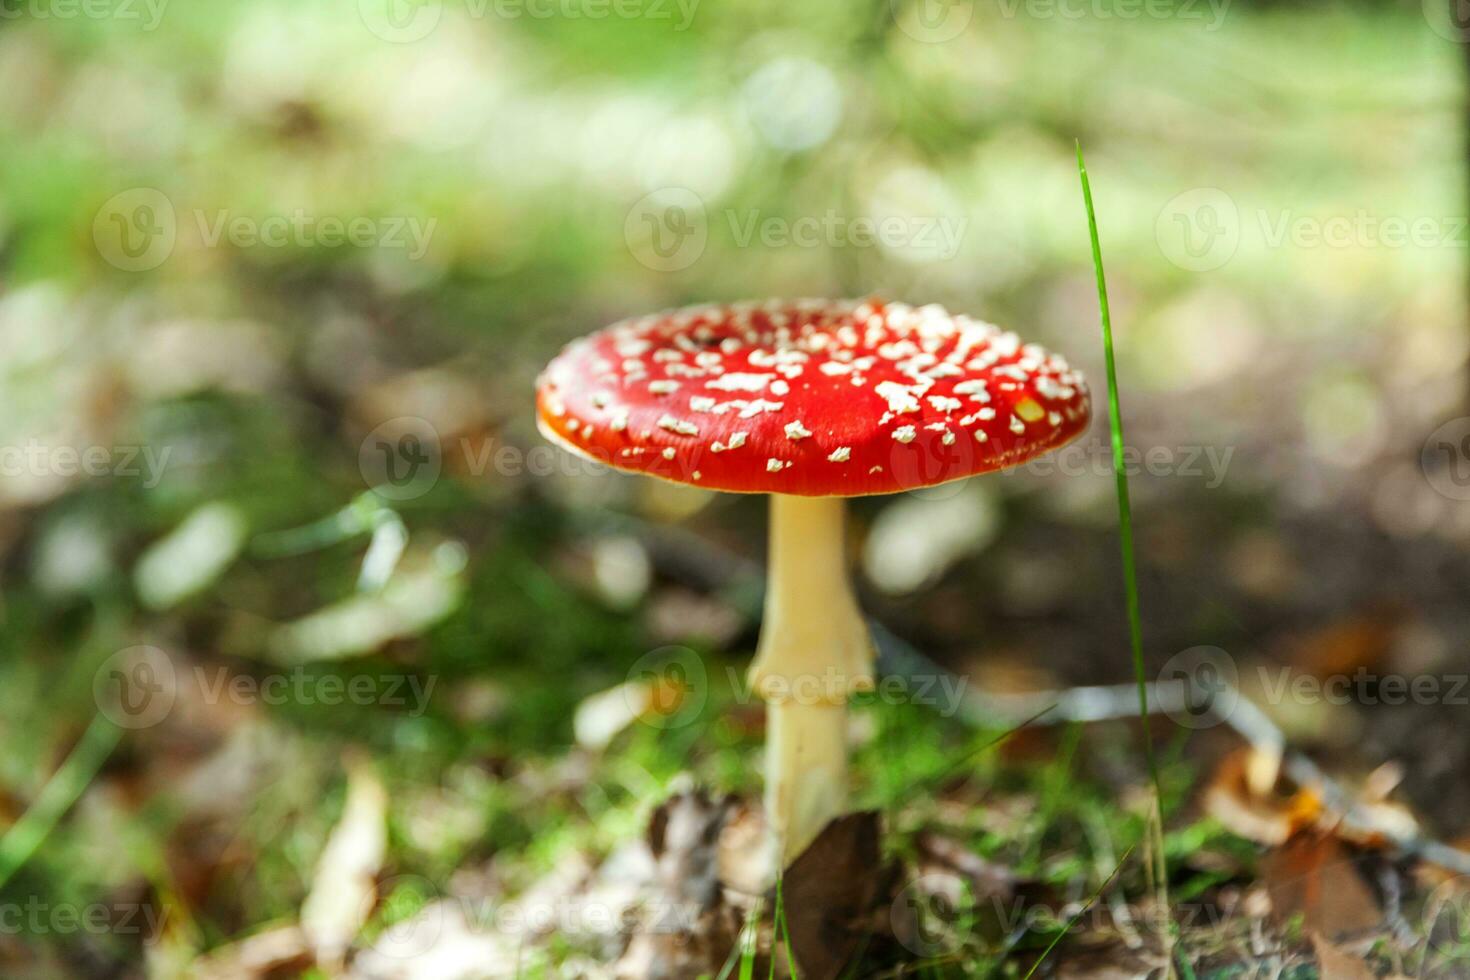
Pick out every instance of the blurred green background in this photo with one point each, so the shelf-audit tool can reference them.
(242, 245)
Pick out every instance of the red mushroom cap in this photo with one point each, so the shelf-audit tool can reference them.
(809, 397)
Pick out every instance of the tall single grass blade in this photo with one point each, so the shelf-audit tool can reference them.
(1158, 872)
(1091, 901)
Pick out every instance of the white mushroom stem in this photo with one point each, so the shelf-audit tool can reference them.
(814, 653)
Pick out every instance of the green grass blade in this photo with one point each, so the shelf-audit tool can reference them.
(1125, 537)
(1077, 918)
(783, 932)
(744, 952)
(1120, 475)
(22, 839)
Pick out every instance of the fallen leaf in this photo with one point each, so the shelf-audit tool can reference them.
(688, 928)
(343, 889)
(831, 891)
(1315, 876)
(265, 954)
(1336, 963)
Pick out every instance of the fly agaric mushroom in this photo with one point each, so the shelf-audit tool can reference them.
(809, 401)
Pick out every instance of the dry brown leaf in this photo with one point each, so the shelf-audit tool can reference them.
(689, 929)
(831, 891)
(343, 889)
(1336, 963)
(1313, 875)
